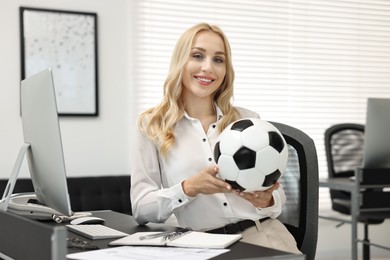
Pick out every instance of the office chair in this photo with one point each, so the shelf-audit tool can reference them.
(344, 153)
(300, 183)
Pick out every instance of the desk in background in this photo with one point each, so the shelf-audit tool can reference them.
(364, 179)
(345, 184)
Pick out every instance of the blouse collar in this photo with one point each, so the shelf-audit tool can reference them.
(217, 109)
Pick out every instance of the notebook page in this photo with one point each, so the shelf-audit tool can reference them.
(204, 240)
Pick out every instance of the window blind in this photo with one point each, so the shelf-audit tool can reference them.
(309, 64)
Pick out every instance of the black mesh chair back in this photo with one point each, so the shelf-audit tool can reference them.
(346, 150)
(344, 153)
(300, 183)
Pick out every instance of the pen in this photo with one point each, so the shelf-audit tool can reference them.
(166, 234)
(151, 236)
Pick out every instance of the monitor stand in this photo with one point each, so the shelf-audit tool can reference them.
(21, 203)
(9, 189)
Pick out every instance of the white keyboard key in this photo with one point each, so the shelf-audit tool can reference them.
(96, 231)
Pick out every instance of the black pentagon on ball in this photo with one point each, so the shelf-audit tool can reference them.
(217, 152)
(271, 178)
(245, 158)
(235, 185)
(276, 141)
(241, 125)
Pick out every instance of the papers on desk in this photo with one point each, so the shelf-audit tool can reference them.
(181, 244)
(186, 238)
(148, 253)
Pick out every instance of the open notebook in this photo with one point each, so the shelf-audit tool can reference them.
(188, 238)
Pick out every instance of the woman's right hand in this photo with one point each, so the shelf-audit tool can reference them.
(205, 182)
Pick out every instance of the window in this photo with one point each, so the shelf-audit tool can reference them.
(309, 64)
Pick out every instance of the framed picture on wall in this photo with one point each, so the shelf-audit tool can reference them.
(65, 41)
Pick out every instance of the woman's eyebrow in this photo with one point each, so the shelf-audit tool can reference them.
(199, 48)
(204, 50)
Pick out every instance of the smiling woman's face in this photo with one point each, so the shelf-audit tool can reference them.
(205, 69)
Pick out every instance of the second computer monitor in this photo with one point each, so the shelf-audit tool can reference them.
(376, 152)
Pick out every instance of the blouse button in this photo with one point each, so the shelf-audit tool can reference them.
(213, 126)
(210, 159)
(204, 139)
(225, 204)
(180, 201)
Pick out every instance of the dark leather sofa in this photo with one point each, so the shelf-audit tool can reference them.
(89, 193)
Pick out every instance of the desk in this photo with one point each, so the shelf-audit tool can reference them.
(354, 186)
(23, 238)
(346, 184)
(127, 224)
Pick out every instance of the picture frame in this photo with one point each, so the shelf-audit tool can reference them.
(65, 41)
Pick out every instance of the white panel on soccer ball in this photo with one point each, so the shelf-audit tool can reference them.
(251, 179)
(230, 142)
(267, 160)
(255, 138)
(227, 167)
(270, 127)
(267, 126)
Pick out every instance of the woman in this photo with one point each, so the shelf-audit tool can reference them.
(173, 170)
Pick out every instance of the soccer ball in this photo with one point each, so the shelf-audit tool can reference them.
(251, 154)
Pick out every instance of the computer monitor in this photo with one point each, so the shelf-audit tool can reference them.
(376, 149)
(43, 147)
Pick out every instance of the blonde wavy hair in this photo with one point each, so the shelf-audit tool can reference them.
(158, 122)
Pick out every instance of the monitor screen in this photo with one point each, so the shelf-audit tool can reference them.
(376, 151)
(41, 130)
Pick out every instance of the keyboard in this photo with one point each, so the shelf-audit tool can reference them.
(96, 231)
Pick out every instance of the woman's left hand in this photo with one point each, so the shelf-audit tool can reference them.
(259, 199)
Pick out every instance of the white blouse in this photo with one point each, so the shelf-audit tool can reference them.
(156, 191)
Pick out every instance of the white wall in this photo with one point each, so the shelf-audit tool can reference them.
(92, 145)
